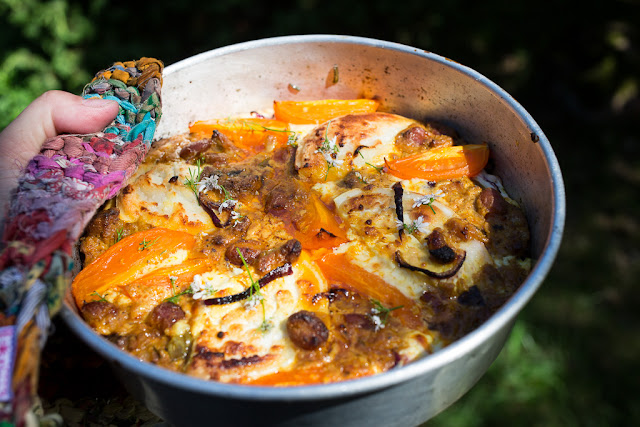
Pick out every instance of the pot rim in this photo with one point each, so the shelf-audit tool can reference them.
(429, 363)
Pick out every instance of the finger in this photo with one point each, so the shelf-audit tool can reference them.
(52, 113)
(57, 112)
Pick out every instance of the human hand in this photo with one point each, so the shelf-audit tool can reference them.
(53, 113)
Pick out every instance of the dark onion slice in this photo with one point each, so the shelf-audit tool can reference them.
(276, 273)
(208, 207)
(436, 275)
(398, 193)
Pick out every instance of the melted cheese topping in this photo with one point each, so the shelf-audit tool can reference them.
(151, 196)
(251, 333)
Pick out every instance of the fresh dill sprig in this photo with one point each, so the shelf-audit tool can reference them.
(194, 178)
(146, 243)
(255, 293)
(176, 295)
(174, 298)
(329, 149)
(100, 297)
(381, 311)
(119, 234)
(292, 138)
(378, 168)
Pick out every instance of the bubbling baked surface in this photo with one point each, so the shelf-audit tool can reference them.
(301, 258)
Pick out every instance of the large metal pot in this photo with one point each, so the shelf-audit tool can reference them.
(408, 81)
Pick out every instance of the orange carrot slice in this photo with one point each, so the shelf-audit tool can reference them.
(315, 112)
(441, 163)
(127, 259)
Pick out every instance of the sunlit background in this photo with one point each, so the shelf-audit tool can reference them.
(572, 358)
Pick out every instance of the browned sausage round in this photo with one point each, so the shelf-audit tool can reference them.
(100, 315)
(418, 137)
(190, 151)
(164, 315)
(291, 250)
(436, 239)
(288, 252)
(306, 330)
(249, 251)
(491, 201)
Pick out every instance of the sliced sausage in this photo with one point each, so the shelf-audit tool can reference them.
(191, 151)
(289, 252)
(100, 315)
(490, 201)
(164, 315)
(418, 137)
(306, 330)
(249, 250)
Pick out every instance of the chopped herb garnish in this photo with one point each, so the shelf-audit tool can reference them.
(381, 313)
(119, 234)
(329, 149)
(201, 289)
(427, 200)
(254, 293)
(336, 76)
(418, 225)
(146, 243)
(176, 295)
(194, 178)
(360, 177)
(100, 297)
(292, 139)
(174, 298)
(378, 168)
(211, 183)
(236, 217)
(265, 326)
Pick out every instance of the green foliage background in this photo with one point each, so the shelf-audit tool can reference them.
(572, 358)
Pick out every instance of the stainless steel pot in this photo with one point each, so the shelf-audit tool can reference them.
(408, 81)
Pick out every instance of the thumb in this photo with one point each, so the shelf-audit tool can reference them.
(52, 113)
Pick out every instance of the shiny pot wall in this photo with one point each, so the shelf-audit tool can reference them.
(408, 81)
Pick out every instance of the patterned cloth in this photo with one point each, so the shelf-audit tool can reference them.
(58, 193)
